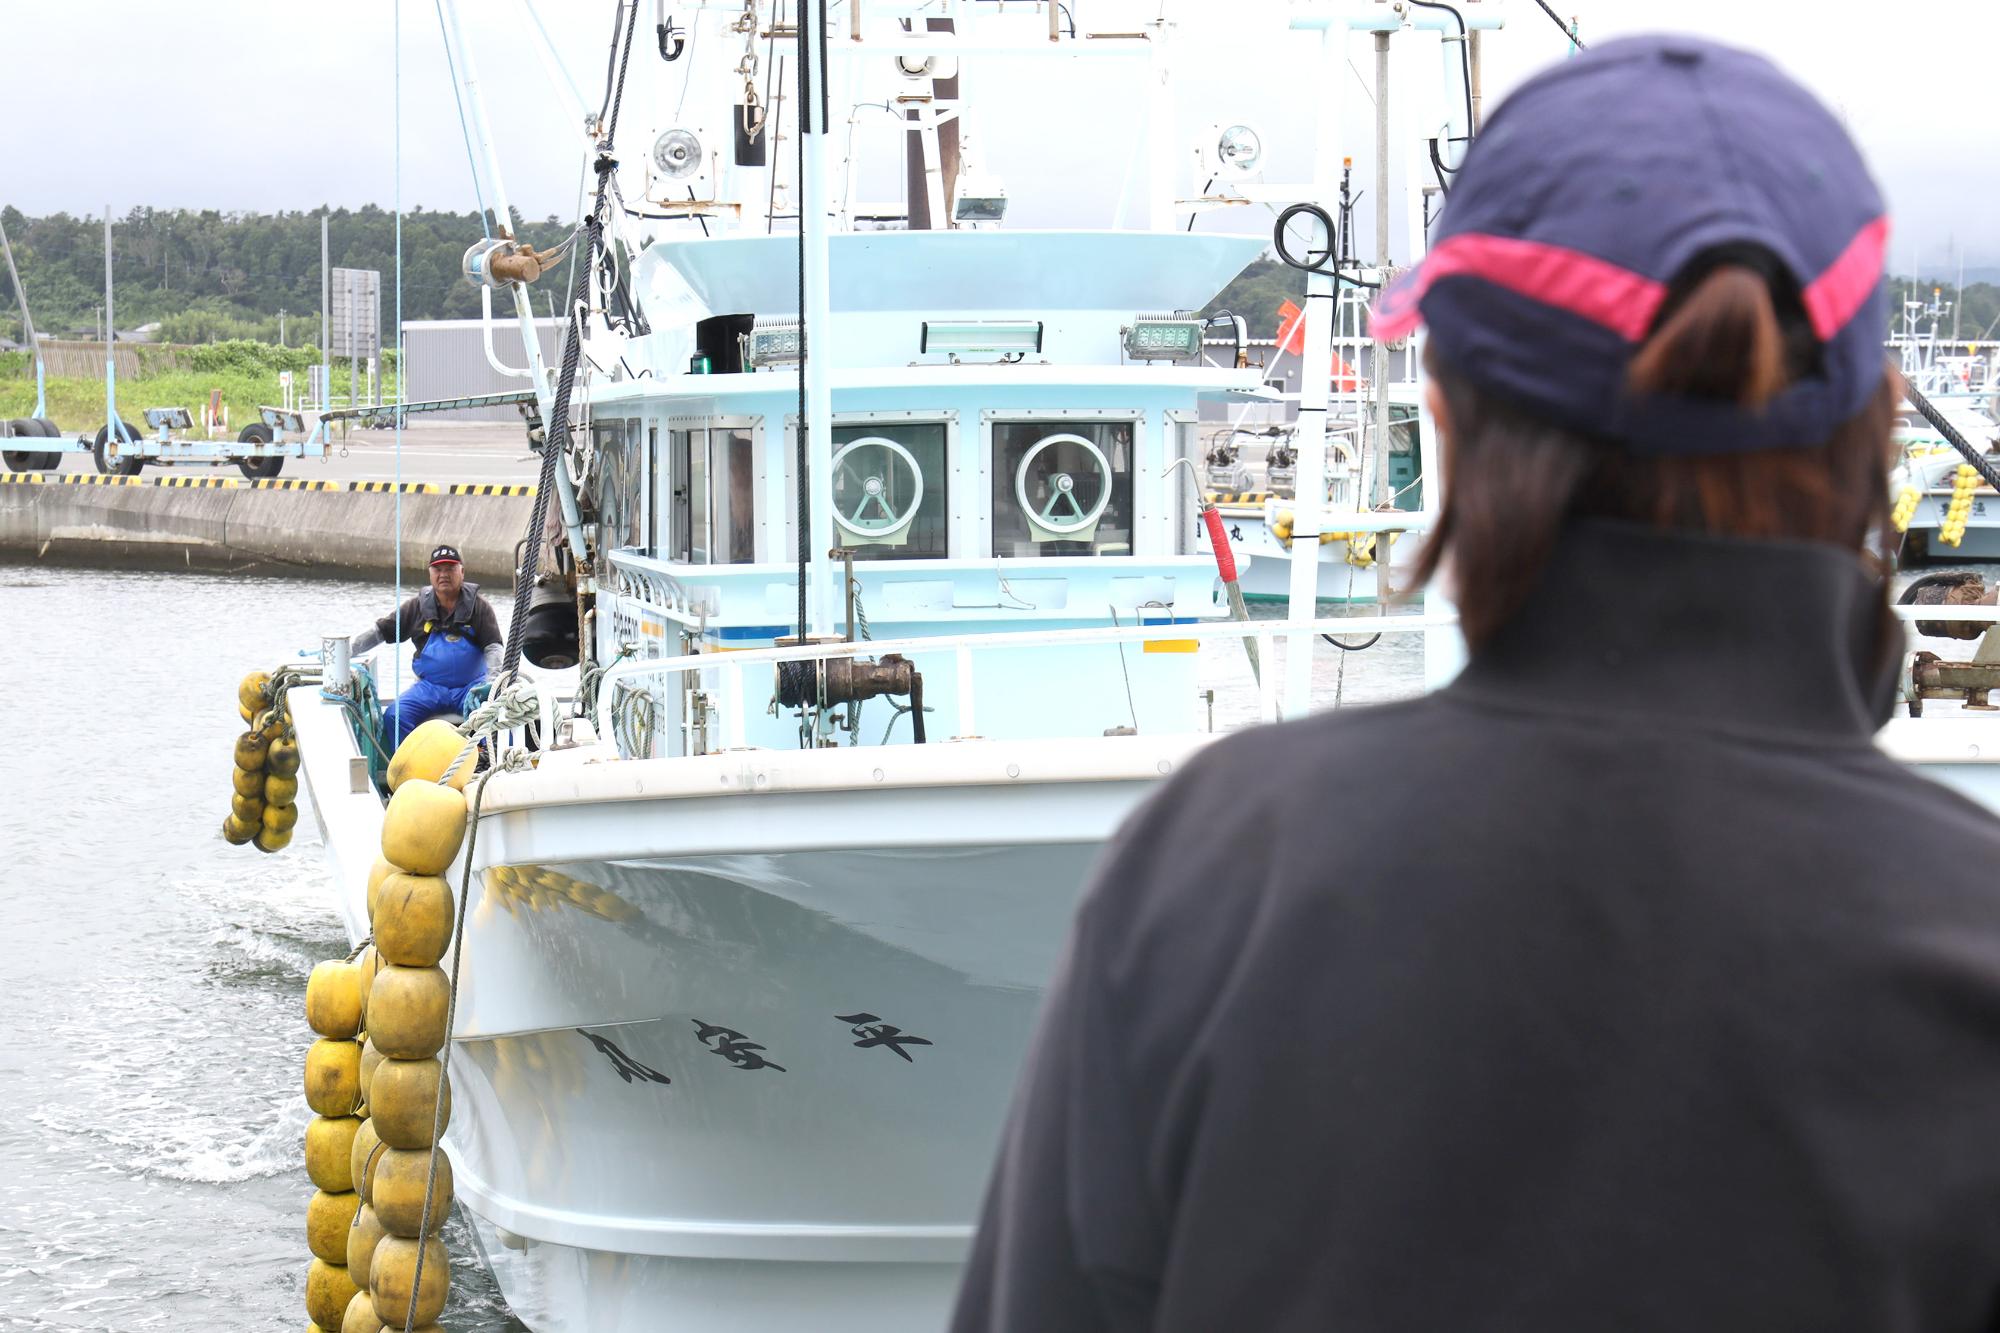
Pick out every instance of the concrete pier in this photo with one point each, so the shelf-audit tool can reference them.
(213, 523)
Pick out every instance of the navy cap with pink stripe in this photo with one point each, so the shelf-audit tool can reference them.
(1599, 182)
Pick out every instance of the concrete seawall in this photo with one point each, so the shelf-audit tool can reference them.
(218, 524)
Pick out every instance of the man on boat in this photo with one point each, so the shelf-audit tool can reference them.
(1623, 983)
(457, 641)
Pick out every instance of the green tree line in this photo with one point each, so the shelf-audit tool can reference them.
(1258, 291)
(208, 276)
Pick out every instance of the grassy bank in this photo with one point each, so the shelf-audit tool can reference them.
(247, 381)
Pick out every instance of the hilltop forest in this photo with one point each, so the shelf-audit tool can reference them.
(207, 276)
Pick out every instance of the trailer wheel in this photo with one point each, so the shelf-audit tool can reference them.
(258, 469)
(30, 428)
(104, 450)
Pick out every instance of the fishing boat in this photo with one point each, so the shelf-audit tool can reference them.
(883, 568)
(760, 914)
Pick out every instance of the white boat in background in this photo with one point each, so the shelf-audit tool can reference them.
(758, 926)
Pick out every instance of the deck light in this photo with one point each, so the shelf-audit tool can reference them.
(1004, 336)
(1238, 150)
(1175, 337)
(979, 198)
(775, 342)
(677, 154)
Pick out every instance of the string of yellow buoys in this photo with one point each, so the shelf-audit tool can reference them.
(264, 808)
(377, 1082)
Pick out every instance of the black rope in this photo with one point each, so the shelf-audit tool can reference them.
(1567, 31)
(805, 350)
(1950, 432)
(556, 438)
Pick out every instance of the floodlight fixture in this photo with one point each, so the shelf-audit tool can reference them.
(1005, 337)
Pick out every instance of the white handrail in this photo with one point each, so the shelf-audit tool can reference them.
(1265, 631)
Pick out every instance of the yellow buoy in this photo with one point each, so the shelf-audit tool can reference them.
(251, 750)
(249, 809)
(278, 791)
(410, 1005)
(427, 752)
(423, 827)
(399, 1191)
(371, 1055)
(247, 713)
(273, 840)
(369, 963)
(330, 1151)
(378, 872)
(236, 831)
(254, 690)
(362, 1238)
(412, 919)
(361, 1158)
(248, 781)
(280, 818)
(328, 1290)
(334, 999)
(271, 723)
(405, 1094)
(360, 1316)
(394, 1282)
(282, 758)
(333, 1076)
(327, 1218)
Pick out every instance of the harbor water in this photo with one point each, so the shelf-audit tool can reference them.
(153, 1032)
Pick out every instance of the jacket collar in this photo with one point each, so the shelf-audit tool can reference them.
(468, 597)
(1698, 630)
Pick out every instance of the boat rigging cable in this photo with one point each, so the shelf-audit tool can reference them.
(1568, 29)
(556, 434)
(1980, 462)
(464, 131)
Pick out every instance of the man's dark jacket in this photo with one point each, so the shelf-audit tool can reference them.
(1622, 985)
(415, 619)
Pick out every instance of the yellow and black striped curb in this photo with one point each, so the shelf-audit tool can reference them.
(488, 488)
(1238, 497)
(206, 483)
(265, 484)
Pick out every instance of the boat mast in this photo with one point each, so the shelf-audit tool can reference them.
(813, 104)
(524, 306)
(1315, 381)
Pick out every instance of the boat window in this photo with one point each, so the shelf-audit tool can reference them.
(710, 500)
(1062, 488)
(620, 473)
(889, 490)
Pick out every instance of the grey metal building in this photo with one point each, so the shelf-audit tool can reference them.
(446, 358)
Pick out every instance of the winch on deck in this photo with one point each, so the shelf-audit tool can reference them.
(825, 682)
(1931, 676)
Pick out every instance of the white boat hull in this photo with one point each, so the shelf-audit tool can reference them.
(736, 1034)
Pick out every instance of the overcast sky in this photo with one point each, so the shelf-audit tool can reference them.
(250, 104)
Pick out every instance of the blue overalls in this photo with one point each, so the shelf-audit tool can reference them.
(447, 666)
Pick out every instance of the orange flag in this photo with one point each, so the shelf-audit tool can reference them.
(1291, 329)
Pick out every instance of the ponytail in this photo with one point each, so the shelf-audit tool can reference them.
(1721, 341)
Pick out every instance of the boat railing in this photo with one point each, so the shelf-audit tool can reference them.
(731, 667)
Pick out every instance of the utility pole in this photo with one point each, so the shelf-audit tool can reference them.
(325, 320)
(281, 328)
